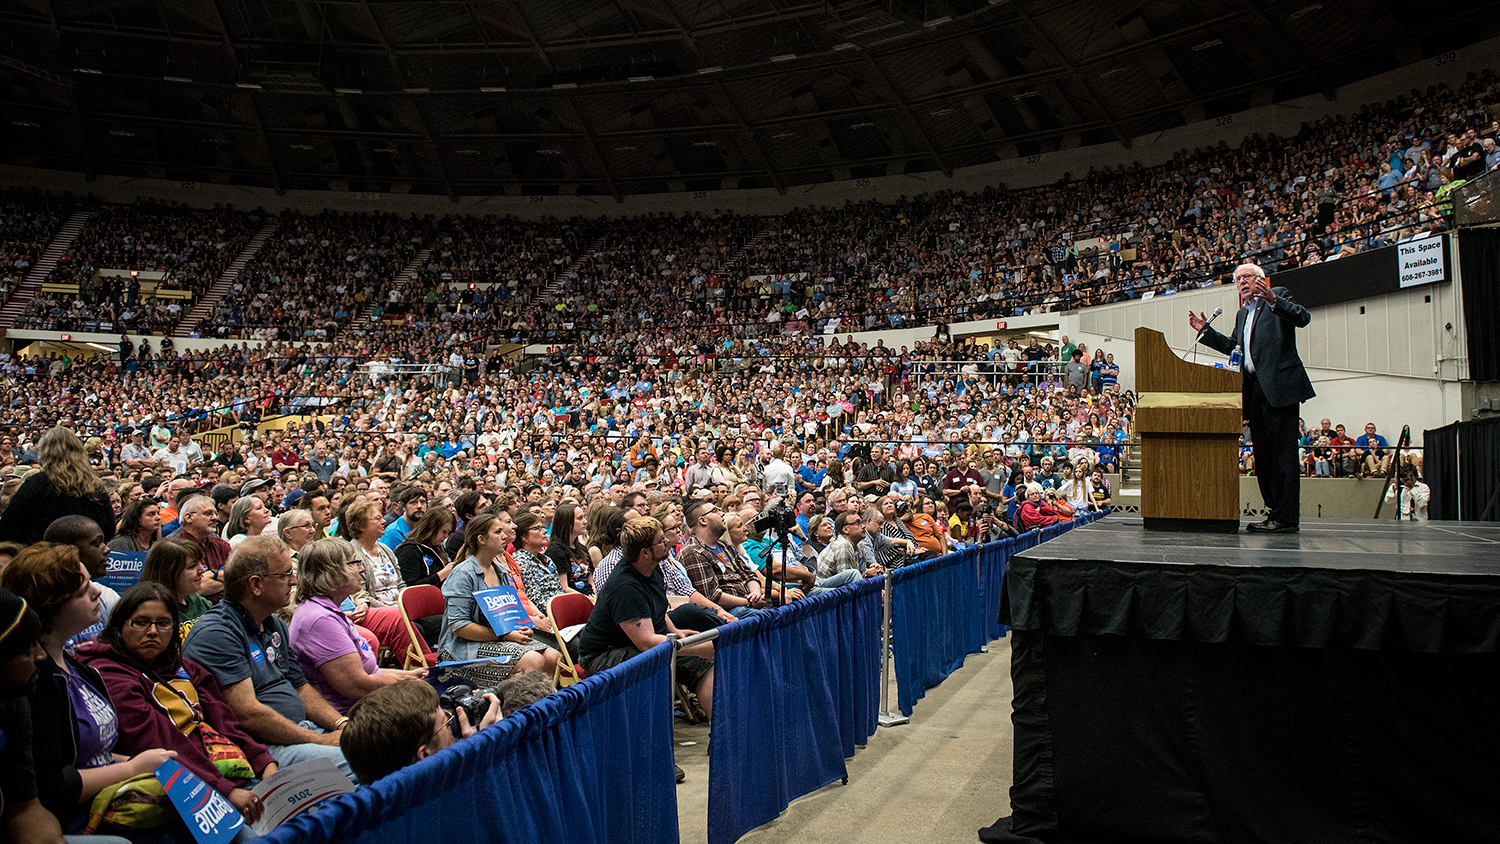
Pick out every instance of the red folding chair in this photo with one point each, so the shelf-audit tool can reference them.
(420, 602)
(566, 610)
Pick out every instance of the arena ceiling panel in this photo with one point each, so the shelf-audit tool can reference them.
(615, 97)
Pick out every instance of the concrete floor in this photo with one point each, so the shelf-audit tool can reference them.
(938, 778)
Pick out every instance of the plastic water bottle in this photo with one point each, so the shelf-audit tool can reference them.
(1236, 357)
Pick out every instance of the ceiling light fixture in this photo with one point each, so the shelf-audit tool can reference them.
(938, 21)
(1212, 42)
(561, 86)
(847, 45)
(26, 123)
(718, 68)
(416, 90)
(865, 125)
(942, 111)
(123, 133)
(249, 86)
(492, 89)
(176, 79)
(784, 57)
(89, 70)
(640, 79)
(1115, 72)
(348, 90)
(705, 143)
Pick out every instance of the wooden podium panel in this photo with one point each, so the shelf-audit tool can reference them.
(1188, 418)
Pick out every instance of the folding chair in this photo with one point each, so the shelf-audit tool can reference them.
(419, 602)
(566, 610)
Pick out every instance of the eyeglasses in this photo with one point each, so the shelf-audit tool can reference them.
(287, 575)
(355, 564)
(145, 623)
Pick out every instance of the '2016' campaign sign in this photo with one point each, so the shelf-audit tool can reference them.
(502, 608)
(208, 814)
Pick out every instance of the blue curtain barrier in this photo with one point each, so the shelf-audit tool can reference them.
(934, 622)
(591, 763)
(943, 610)
(795, 690)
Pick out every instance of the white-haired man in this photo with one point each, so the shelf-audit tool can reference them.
(1275, 384)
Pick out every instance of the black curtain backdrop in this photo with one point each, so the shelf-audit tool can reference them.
(1459, 465)
(1479, 256)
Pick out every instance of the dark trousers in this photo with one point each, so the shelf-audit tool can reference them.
(694, 617)
(1273, 436)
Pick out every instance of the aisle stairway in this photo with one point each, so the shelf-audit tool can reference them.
(208, 301)
(365, 320)
(56, 248)
(555, 287)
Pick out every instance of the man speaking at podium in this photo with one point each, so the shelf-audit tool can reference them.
(1274, 385)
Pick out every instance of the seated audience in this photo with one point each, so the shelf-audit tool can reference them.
(74, 725)
(333, 657)
(168, 702)
(630, 616)
(467, 633)
(244, 644)
(177, 564)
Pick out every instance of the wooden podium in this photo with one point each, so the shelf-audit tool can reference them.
(1188, 417)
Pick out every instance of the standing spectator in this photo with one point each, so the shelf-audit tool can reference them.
(66, 485)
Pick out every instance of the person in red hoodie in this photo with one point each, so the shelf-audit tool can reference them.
(1035, 513)
(165, 701)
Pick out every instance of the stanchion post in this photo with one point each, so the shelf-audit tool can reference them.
(887, 717)
(979, 578)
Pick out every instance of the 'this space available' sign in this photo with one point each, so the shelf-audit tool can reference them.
(1421, 261)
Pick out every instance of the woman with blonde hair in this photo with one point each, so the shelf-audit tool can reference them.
(67, 485)
(375, 606)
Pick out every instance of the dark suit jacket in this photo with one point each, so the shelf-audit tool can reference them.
(1274, 350)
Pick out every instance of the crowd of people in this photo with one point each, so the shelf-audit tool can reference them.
(28, 220)
(191, 246)
(316, 275)
(695, 446)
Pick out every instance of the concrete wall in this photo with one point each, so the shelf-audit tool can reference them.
(1283, 118)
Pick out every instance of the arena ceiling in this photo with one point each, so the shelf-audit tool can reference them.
(615, 97)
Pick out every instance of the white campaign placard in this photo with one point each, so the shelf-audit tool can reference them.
(1421, 261)
(295, 789)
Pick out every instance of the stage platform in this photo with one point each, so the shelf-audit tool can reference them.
(1333, 685)
(1425, 547)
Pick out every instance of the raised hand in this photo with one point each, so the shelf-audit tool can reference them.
(1197, 321)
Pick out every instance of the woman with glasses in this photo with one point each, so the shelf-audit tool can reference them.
(165, 701)
(336, 659)
(74, 725)
(177, 564)
(297, 530)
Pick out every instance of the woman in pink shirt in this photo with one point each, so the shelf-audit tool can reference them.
(334, 657)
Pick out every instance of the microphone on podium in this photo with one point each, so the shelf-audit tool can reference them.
(1218, 312)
